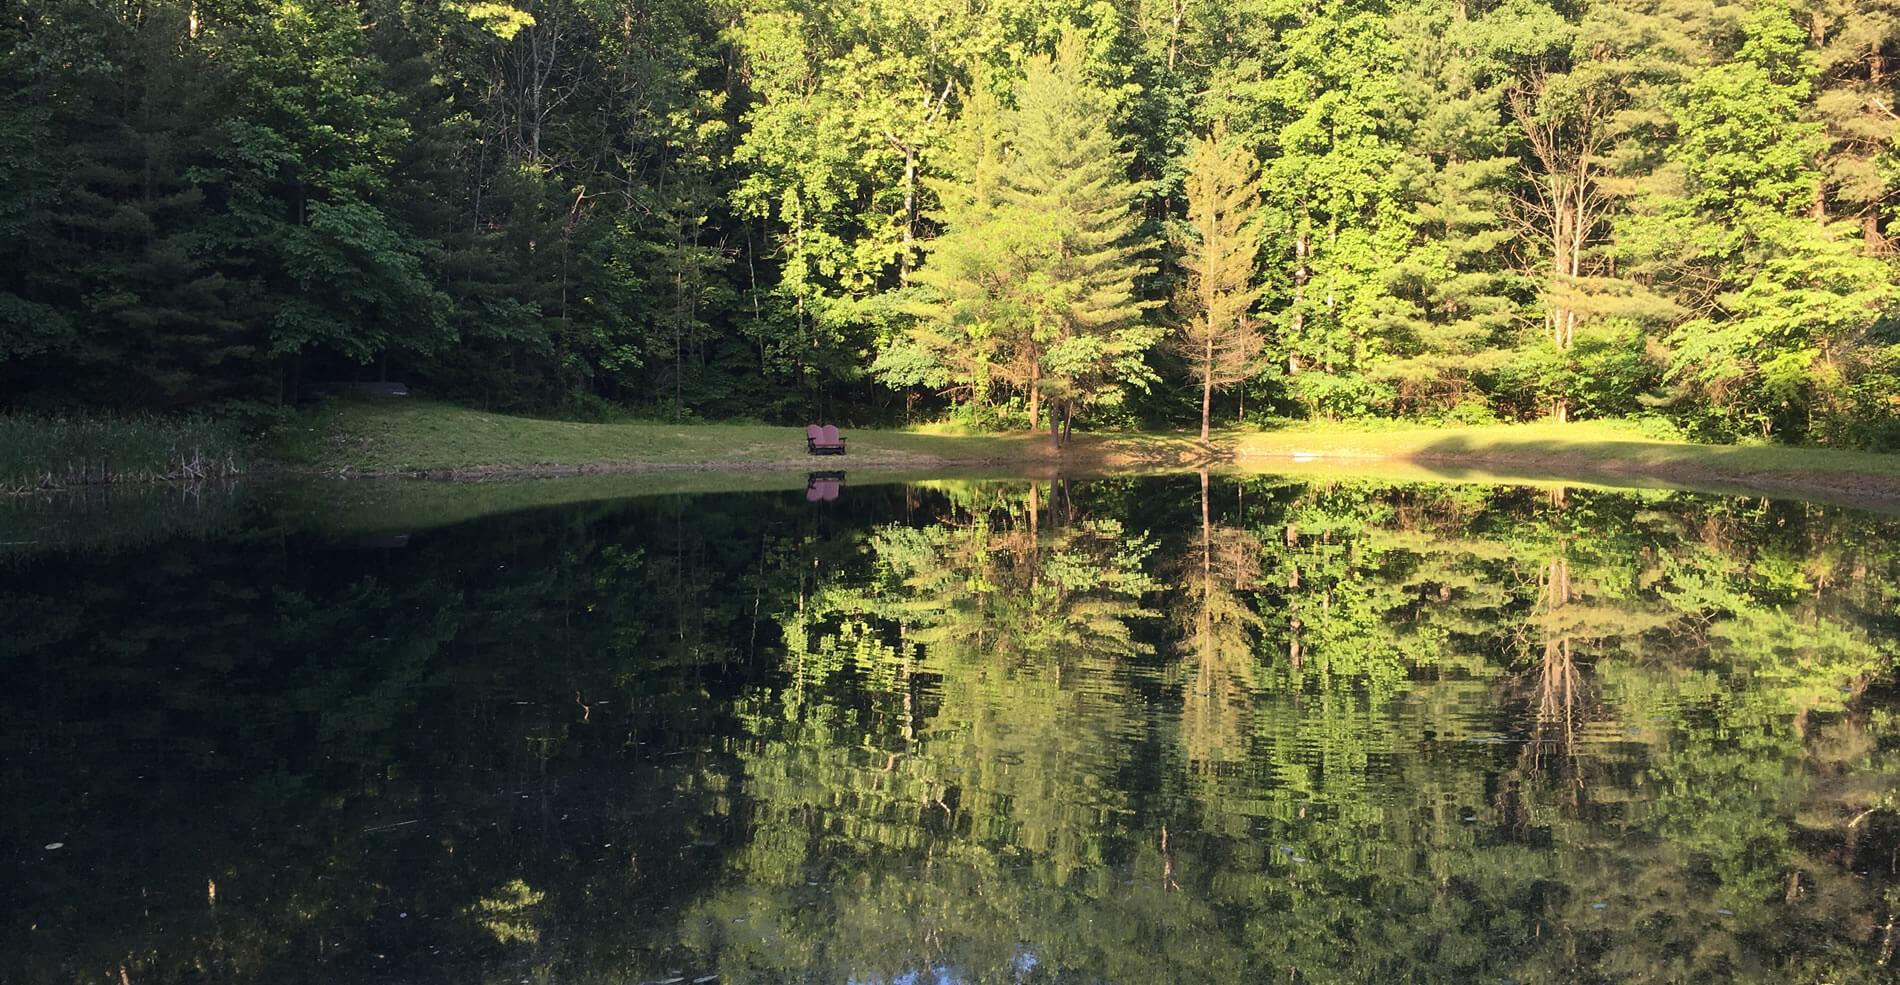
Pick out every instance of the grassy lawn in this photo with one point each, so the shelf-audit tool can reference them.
(1586, 451)
(406, 436)
(1579, 444)
(395, 437)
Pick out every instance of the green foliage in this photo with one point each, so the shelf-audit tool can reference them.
(866, 209)
(1783, 300)
(1033, 284)
(1065, 187)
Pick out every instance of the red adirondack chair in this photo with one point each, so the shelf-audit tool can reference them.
(823, 440)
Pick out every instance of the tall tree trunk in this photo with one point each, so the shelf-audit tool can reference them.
(1174, 32)
(1567, 236)
(1207, 379)
(910, 215)
(1035, 394)
(1301, 247)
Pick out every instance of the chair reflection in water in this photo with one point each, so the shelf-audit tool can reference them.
(823, 487)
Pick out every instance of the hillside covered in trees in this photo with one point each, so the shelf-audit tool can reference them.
(1117, 211)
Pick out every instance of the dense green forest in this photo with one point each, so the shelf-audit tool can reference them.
(1122, 210)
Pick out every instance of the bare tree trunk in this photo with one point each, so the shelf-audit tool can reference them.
(679, 343)
(1174, 32)
(1207, 380)
(910, 215)
(1035, 394)
(1566, 264)
(1301, 247)
(1566, 203)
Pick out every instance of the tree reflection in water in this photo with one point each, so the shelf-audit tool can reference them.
(1172, 729)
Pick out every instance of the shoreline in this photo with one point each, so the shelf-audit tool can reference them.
(1849, 488)
(409, 439)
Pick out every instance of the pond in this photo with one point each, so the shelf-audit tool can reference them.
(1130, 730)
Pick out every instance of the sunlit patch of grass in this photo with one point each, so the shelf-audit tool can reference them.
(57, 451)
(1578, 443)
(1592, 452)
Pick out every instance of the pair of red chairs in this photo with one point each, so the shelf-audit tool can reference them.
(823, 440)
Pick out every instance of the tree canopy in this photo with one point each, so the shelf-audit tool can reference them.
(1465, 210)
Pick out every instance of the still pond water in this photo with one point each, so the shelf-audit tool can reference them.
(1123, 730)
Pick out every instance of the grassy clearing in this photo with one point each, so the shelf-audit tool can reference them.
(396, 437)
(59, 451)
(1586, 445)
(1586, 451)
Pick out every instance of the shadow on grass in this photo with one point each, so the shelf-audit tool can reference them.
(1845, 478)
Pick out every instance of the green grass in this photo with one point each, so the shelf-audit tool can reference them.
(59, 451)
(1582, 450)
(1594, 443)
(406, 436)
(396, 437)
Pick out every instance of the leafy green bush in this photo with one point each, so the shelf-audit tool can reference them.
(1857, 403)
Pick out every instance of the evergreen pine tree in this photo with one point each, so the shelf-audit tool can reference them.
(969, 332)
(1855, 102)
(33, 322)
(1221, 237)
(1458, 302)
(1067, 186)
(160, 325)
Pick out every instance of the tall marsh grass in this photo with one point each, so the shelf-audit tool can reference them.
(40, 451)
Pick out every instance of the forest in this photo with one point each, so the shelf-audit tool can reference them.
(1123, 213)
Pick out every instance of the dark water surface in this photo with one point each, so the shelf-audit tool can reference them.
(1120, 730)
